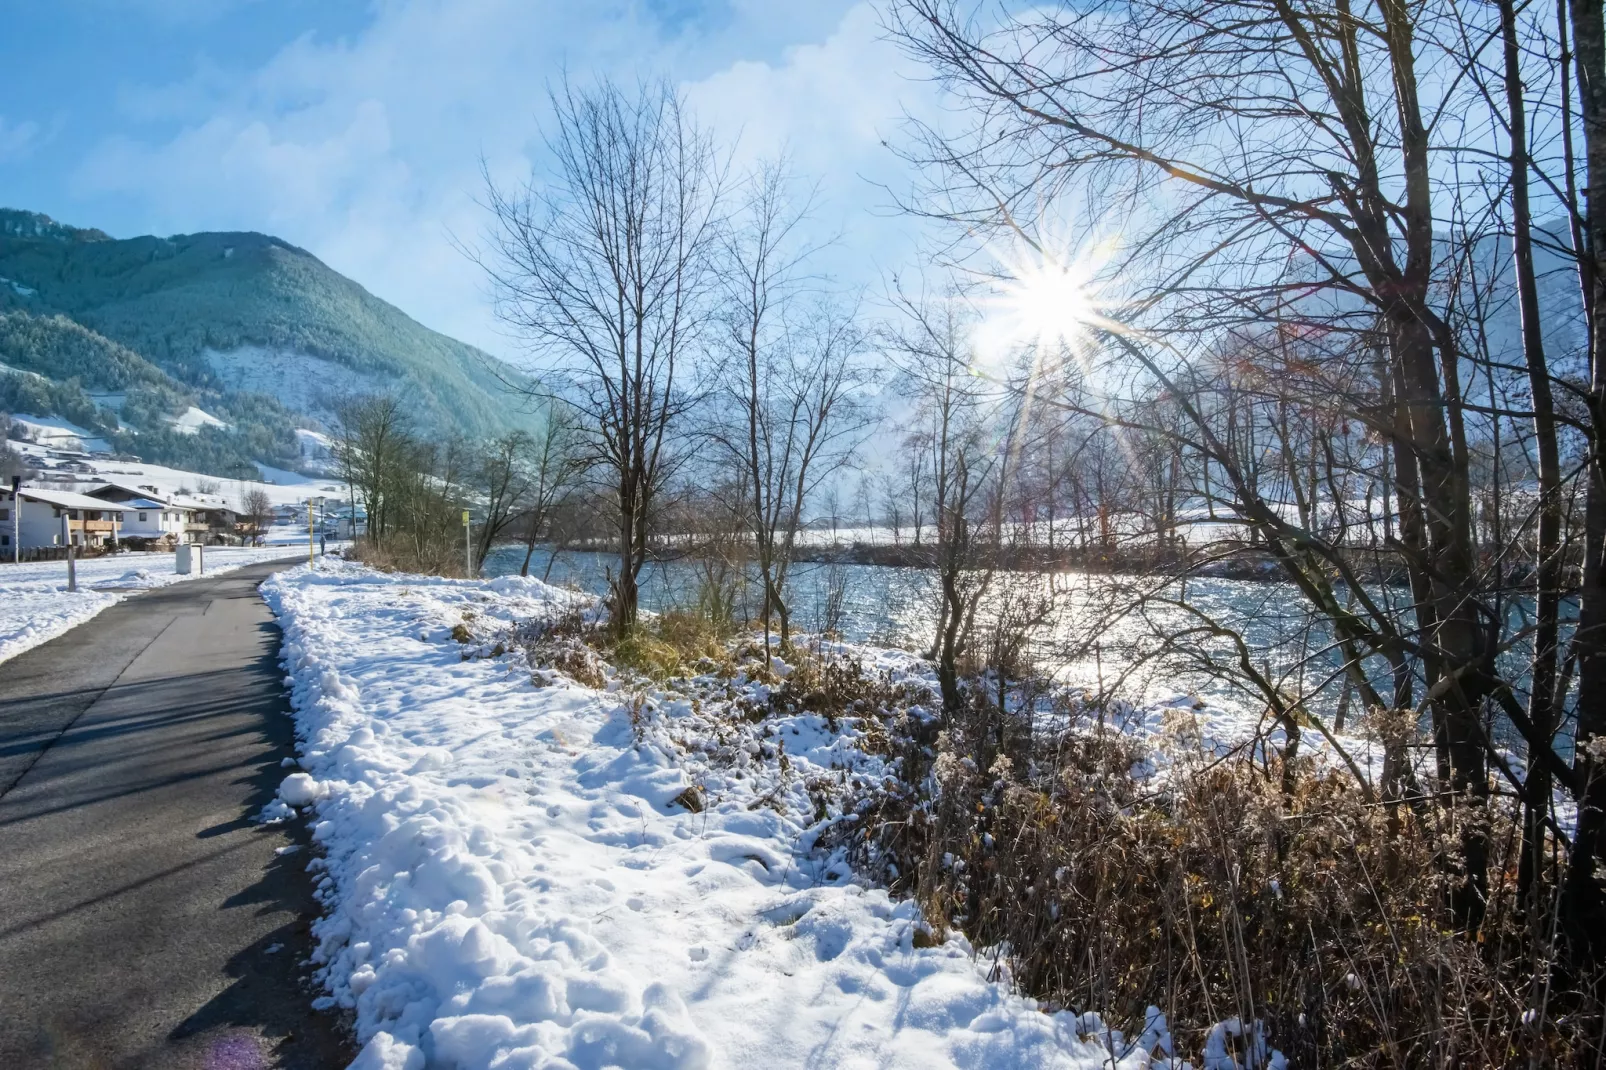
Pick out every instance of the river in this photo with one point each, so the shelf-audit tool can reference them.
(1099, 634)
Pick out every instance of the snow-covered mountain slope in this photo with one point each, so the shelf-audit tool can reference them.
(57, 465)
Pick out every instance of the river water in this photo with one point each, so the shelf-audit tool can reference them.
(1110, 633)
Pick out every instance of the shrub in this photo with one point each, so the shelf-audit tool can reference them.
(406, 555)
(1211, 892)
(561, 644)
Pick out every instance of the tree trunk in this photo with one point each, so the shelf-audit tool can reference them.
(1584, 912)
(1541, 713)
(624, 585)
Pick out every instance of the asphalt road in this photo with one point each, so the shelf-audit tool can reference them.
(145, 919)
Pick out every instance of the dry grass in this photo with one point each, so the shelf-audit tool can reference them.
(403, 555)
(1216, 894)
(669, 644)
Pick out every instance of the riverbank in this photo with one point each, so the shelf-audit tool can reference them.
(532, 854)
(1233, 563)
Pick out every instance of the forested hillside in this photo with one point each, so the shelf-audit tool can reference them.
(252, 329)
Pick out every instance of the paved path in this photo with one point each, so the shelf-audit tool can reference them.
(145, 921)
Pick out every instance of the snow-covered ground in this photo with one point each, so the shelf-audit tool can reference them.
(90, 469)
(35, 605)
(192, 419)
(509, 881)
(54, 432)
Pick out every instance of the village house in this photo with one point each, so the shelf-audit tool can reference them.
(173, 518)
(153, 518)
(34, 518)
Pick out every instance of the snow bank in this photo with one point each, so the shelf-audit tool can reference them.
(508, 881)
(35, 605)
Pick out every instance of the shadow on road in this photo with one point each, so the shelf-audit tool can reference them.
(129, 842)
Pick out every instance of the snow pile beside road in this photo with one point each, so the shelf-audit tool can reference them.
(515, 875)
(35, 605)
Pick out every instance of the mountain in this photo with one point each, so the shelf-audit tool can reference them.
(51, 366)
(228, 320)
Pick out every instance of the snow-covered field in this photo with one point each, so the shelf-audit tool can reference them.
(94, 468)
(35, 605)
(509, 881)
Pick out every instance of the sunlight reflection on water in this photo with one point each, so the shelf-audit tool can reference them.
(1088, 640)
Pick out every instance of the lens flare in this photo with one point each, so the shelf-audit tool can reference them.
(1049, 302)
(1044, 300)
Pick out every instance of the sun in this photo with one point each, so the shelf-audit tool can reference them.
(1049, 302)
(1043, 300)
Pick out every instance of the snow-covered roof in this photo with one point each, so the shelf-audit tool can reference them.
(128, 488)
(67, 500)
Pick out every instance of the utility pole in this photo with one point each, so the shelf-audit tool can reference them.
(16, 520)
(66, 534)
(468, 547)
(311, 563)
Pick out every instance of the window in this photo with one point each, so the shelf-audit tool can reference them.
(5, 540)
(142, 518)
(5, 514)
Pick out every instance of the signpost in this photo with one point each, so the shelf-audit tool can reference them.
(16, 520)
(66, 534)
(468, 547)
(311, 562)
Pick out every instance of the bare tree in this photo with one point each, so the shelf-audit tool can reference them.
(371, 448)
(556, 465)
(931, 348)
(1290, 180)
(256, 509)
(792, 376)
(503, 478)
(605, 268)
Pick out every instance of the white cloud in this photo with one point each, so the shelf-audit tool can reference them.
(367, 150)
(827, 103)
(17, 139)
(831, 107)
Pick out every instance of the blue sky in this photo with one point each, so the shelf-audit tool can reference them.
(355, 129)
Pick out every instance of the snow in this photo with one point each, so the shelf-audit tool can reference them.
(285, 488)
(7, 369)
(509, 880)
(57, 433)
(299, 789)
(192, 419)
(300, 381)
(306, 485)
(317, 450)
(35, 605)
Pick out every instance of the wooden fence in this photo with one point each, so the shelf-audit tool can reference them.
(35, 554)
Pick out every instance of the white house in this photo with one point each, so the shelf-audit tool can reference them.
(150, 518)
(152, 515)
(35, 515)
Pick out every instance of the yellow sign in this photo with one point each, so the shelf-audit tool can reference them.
(465, 518)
